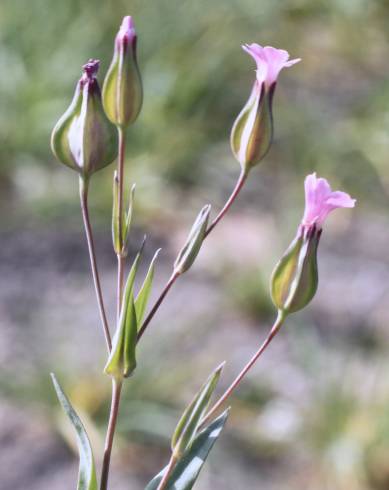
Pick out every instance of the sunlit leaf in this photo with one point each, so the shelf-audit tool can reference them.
(189, 423)
(87, 473)
(145, 290)
(122, 358)
(188, 468)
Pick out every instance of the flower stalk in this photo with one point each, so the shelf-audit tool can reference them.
(273, 332)
(120, 255)
(93, 262)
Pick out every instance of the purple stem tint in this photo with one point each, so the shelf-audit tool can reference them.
(239, 184)
(116, 392)
(93, 261)
(273, 332)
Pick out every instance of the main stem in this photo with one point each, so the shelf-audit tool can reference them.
(93, 262)
(116, 385)
(239, 184)
(120, 257)
(273, 332)
(170, 467)
(116, 392)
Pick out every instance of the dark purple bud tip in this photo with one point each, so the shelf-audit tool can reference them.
(126, 34)
(91, 68)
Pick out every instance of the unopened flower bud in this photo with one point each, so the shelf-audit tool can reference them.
(83, 138)
(190, 250)
(122, 88)
(295, 278)
(252, 132)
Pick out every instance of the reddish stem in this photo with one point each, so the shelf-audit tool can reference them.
(273, 332)
(116, 392)
(239, 184)
(93, 261)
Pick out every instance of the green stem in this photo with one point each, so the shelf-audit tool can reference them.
(120, 257)
(93, 261)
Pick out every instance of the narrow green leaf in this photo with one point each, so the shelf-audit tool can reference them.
(122, 359)
(189, 423)
(87, 473)
(128, 219)
(145, 290)
(188, 468)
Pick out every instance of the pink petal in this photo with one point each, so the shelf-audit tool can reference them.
(270, 61)
(320, 200)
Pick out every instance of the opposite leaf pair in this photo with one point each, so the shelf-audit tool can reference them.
(122, 358)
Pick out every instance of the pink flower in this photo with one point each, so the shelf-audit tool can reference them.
(126, 34)
(320, 200)
(270, 61)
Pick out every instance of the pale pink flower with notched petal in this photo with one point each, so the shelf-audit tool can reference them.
(270, 61)
(320, 200)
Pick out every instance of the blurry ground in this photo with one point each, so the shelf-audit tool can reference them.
(313, 412)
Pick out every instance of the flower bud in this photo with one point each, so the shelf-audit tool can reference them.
(295, 278)
(83, 138)
(252, 132)
(122, 88)
(190, 250)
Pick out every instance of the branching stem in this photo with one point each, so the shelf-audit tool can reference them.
(239, 184)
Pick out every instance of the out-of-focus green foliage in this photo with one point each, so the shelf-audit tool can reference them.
(330, 111)
(331, 114)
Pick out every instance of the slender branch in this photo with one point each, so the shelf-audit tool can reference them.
(157, 304)
(239, 184)
(116, 392)
(170, 467)
(93, 262)
(122, 149)
(273, 332)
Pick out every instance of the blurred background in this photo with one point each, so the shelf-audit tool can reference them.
(314, 412)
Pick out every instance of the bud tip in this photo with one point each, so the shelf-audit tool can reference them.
(91, 68)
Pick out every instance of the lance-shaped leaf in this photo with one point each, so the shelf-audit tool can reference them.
(188, 468)
(87, 473)
(190, 250)
(122, 358)
(128, 220)
(120, 238)
(144, 293)
(189, 423)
